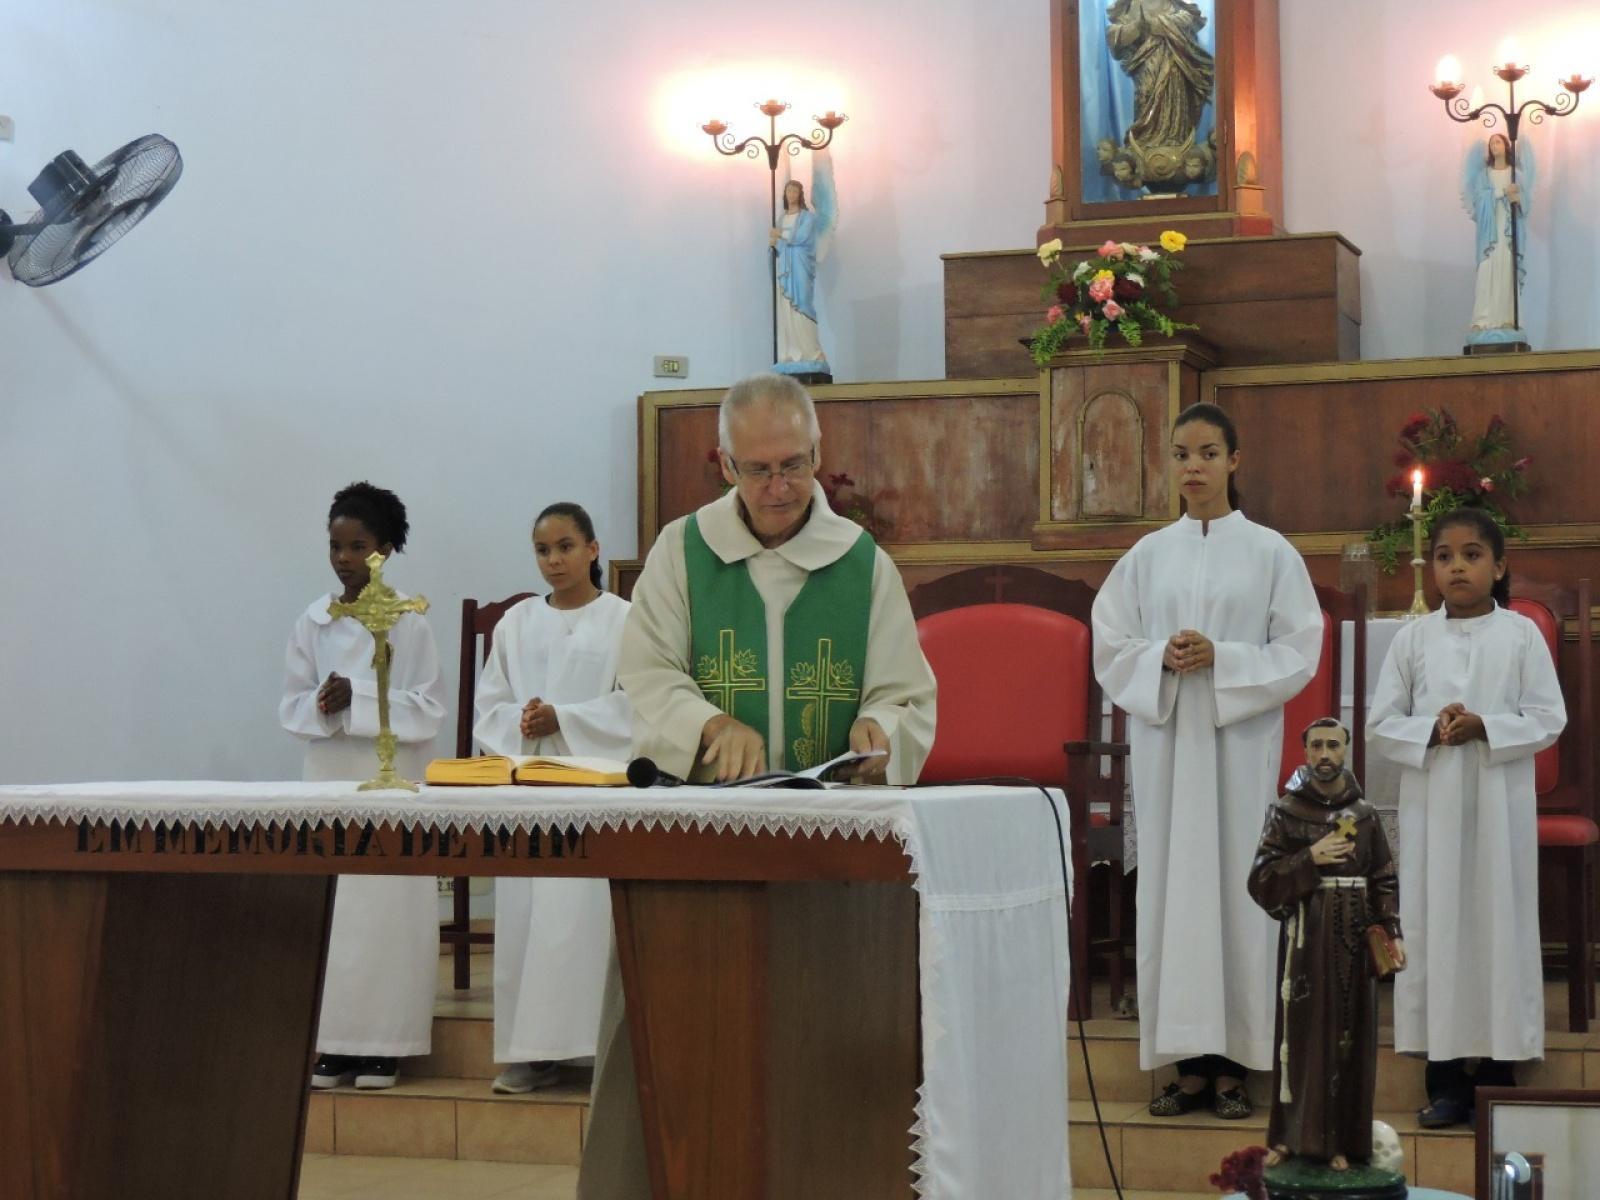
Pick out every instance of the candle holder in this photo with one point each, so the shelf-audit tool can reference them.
(1419, 601)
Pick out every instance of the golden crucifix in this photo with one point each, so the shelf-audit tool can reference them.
(377, 608)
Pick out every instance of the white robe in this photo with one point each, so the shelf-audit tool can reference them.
(898, 688)
(1469, 871)
(1205, 753)
(1492, 290)
(550, 935)
(383, 951)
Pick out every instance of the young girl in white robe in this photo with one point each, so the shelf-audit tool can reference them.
(383, 950)
(1467, 696)
(1202, 632)
(549, 687)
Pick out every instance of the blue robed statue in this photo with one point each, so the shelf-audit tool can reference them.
(1495, 188)
(800, 240)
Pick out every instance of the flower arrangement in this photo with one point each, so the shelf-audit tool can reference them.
(1459, 471)
(1243, 1171)
(1110, 291)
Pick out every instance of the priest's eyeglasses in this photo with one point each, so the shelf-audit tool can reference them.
(792, 470)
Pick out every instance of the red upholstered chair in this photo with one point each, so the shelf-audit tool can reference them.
(477, 621)
(1563, 778)
(1012, 651)
(1320, 697)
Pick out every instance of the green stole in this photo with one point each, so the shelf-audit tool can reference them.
(824, 647)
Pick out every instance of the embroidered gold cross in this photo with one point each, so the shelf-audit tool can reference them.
(819, 687)
(731, 672)
(1345, 826)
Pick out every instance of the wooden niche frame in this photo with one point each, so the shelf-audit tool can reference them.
(1248, 118)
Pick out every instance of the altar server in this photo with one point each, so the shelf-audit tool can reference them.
(744, 608)
(549, 687)
(383, 952)
(1202, 632)
(1467, 696)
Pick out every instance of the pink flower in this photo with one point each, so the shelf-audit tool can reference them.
(1084, 321)
(1522, 463)
(1054, 314)
(1486, 484)
(1112, 310)
(1112, 250)
(1100, 290)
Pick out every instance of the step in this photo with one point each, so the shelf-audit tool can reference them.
(433, 1118)
(1178, 1154)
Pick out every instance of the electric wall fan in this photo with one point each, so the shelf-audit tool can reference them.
(84, 209)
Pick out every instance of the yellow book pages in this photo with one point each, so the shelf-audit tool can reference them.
(486, 770)
(572, 772)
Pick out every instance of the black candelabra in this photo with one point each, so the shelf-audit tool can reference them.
(1458, 108)
(791, 143)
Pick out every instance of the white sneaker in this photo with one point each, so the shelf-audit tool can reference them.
(521, 1078)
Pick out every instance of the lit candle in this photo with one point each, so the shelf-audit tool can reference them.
(1416, 488)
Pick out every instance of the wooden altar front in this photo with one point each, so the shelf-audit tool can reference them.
(159, 990)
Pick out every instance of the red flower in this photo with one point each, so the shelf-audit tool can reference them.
(1398, 485)
(1495, 426)
(1066, 291)
(1404, 458)
(1127, 289)
(713, 457)
(841, 480)
(1412, 429)
(1454, 474)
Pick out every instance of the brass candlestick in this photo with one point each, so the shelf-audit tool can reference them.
(377, 608)
(1419, 602)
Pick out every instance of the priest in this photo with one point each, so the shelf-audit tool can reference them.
(766, 633)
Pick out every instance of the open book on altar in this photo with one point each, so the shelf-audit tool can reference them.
(490, 770)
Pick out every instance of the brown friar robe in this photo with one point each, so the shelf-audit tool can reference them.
(1327, 1023)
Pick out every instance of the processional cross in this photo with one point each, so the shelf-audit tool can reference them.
(378, 608)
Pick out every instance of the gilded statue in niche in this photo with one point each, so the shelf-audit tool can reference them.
(1156, 43)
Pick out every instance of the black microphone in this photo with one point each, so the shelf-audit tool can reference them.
(643, 773)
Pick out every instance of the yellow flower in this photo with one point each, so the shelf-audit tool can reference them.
(1102, 275)
(1173, 242)
(1050, 251)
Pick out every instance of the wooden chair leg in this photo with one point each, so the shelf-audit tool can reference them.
(1587, 854)
(462, 950)
(1114, 931)
(1578, 980)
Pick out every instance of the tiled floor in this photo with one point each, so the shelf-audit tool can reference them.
(346, 1177)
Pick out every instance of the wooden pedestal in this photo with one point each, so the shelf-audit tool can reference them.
(1104, 421)
(1257, 300)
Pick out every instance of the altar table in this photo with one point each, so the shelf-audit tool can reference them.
(852, 992)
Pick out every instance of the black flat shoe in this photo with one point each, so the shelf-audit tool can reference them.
(1233, 1105)
(1174, 1101)
(1445, 1112)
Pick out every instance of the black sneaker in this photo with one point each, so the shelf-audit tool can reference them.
(333, 1070)
(1445, 1112)
(375, 1073)
(1174, 1101)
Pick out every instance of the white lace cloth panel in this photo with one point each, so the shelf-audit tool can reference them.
(991, 1116)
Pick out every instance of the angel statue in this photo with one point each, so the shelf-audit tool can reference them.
(1496, 183)
(801, 239)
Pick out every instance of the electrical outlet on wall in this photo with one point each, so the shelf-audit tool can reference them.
(671, 366)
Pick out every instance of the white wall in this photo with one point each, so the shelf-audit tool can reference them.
(436, 244)
(433, 245)
(1370, 153)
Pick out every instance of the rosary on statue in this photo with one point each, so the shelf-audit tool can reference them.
(377, 608)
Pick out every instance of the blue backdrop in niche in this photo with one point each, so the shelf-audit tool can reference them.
(1105, 98)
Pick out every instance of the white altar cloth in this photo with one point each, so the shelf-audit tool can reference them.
(992, 1113)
